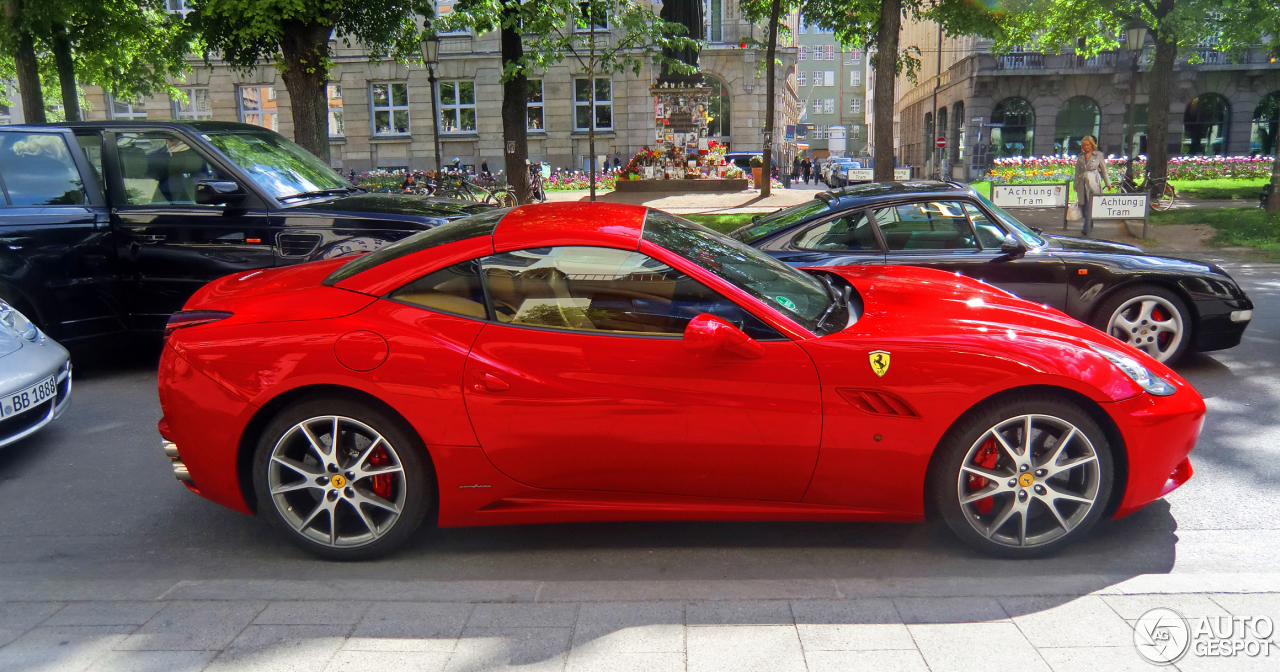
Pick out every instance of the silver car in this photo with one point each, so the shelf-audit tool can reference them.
(35, 377)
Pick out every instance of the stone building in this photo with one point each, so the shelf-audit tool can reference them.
(380, 112)
(1033, 104)
(831, 83)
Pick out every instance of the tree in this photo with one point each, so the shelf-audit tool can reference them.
(1256, 22)
(878, 24)
(294, 36)
(772, 11)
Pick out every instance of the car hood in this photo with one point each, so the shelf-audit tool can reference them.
(1076, 244)
(9, 344)
(397, 204)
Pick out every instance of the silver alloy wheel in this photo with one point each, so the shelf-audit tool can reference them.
(1029, 480)
(1149, 323)
(323, 475)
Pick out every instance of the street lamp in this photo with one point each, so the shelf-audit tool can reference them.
(1135, 36)
(431, 58)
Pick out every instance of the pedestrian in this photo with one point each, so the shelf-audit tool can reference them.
(484, 167)
(795, 169)
(805, 168)
(1090, 176)
(617, 161)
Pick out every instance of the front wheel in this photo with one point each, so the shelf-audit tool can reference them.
(1024, 477)
(341, 479)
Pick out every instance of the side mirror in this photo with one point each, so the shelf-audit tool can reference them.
(707, 334)
(1012, 247)
(219, 192)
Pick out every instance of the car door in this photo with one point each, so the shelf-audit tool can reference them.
(957, 237)
(170, 246)
(56, 252)
(846, 239)
(581, 381)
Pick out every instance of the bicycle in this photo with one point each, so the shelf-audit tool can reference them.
(1164, 194)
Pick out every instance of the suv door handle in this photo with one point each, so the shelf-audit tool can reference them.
(15, 243)
(148, 238)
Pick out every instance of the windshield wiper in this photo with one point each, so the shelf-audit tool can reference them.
(318, 193)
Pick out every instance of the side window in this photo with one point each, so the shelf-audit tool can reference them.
(989, 234)
(604, 290)
(926, 227)
(852, 232)
(455, 290)
(37, 169)
(92, 146)
(159, 169)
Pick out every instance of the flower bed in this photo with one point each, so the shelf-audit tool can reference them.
(1059, 168)
(566, 181)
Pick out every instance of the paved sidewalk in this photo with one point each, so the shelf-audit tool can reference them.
(934, 625)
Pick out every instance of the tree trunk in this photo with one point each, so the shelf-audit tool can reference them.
(1160, 85)
(66, 73)
(28, 69)
(886, 73)
(305, 55)
(1273, 201)
(591, 124)
(515, 119)
(766, 184)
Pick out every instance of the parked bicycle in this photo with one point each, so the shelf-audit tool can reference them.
(1162, 193)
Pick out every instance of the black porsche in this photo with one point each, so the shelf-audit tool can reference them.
(1164, 306)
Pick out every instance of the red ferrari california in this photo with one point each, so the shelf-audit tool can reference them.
(591, 362)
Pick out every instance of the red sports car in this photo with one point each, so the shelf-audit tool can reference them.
(590, 362)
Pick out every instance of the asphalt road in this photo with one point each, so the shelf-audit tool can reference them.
(92, 497)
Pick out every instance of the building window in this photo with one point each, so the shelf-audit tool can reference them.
(1078, 117)
(1205, 126)
(1016, 132)
(855, 78)
(196, 106)
(179, 7)
(803, 54)
(718, 124)
(333, 92)
(854, 57)
(855, 106)
(829, 78)
(125, 111)
(258, 106)
(444, 8)
(802, 78)
(855, 131)
(598, 22)
(457, 106)
(715, 20)
(584, 103)
(390, 104)
(1266, 121)
(817, 78)
(829, 52)
(533, 105)
(817, 106)
(829, 106)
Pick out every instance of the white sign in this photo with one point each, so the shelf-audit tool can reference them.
(861, 174)
(1120, 206)
(1029, 195)
(901, 174)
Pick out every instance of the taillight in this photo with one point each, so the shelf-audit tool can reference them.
(191, 318)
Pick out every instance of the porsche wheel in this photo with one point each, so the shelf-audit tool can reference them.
(1024, 477)
(1152, 319)
(341, 479)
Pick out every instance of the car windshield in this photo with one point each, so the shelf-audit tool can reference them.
(278, 166)
(795, 294)
(777, 221)
(1028, 237)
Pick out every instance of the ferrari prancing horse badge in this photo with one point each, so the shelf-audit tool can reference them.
(879, 362)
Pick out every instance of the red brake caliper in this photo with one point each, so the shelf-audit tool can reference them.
(1157, 315)
(381, 484)
(986, 458)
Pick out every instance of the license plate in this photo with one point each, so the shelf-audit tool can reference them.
(22, 400)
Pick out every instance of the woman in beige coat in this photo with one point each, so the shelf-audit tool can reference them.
(1090, 177)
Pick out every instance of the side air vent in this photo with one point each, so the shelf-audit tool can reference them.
(298, 244)
(875, 402)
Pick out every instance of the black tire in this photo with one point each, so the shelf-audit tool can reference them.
(948, 483)
(1167, 301)
(414, 493)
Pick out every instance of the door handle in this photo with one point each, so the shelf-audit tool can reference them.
(491, 383)
(148, 238)
(15, 243)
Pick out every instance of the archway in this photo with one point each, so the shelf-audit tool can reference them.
(719, 108)
(1078, 117)
(1266, 121)
(1205, 125)
(1014, 130)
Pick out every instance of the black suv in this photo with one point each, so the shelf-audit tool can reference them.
(111, 226)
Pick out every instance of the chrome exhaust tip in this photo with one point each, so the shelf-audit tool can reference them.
(180, 471)
(170, 449)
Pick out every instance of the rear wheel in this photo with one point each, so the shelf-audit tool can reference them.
(1152, 319)
(1023, 477)
(341, 479)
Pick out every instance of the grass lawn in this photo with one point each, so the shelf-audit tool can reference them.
(721, 223)
(1236, 227)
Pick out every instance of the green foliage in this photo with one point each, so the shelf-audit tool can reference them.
(1235, 227)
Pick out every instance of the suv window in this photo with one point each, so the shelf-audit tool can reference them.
(851, 232)
(930, 226)
(160, 169)
(37, 169)
(604, 290)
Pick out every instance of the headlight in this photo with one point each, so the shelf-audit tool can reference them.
(14, 321)
(1148, 381)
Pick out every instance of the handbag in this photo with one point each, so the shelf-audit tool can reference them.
(1073, 212)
